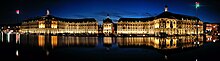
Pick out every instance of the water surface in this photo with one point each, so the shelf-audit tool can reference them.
(52, 47)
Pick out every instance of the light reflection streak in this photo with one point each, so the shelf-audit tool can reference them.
(47, 53)
(2, 36)
(17, 38)
(17, 53)
(166, 57)
(121, 42)
(41, 40)
(9, 34)
(8, 37)
(54, 41)
(159, 43)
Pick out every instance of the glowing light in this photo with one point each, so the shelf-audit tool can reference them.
(17, 38)
(165, 56)
(2, 36)
(8, 37)
(197, 42)
(214, 40)
(166, 8)
(209, 38)
(17, 12)
(197, 5)
(17, 53)
(48, 12)
(47, 52)
(41, 40)
(53, 41)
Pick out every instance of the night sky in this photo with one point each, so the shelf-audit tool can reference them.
(208, 11)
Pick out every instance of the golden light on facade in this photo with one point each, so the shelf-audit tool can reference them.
(211, 29)
(166, 22)
(51, 24)
(108, 26)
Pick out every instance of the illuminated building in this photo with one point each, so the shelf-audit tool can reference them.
(211, 38)
(211, 28)
(51, 24)
(108, 27)
(10, 27)
(166, 22)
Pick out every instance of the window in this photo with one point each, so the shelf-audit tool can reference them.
(124, 27)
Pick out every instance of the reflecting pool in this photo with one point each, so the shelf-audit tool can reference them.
(54, 47)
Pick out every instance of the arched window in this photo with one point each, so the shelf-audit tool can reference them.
(171, 24)
(164, 22)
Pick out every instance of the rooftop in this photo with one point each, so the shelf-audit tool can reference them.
(51, 17)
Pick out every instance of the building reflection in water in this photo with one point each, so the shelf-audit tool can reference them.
(2, 36)
(160, 43)
(78, 41)
(64, 41)
(50, 42)
(121, 42)
(54, 41)
(17, 39)
(41, 40)
(107, 43)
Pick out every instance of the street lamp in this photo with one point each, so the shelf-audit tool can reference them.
(197, 6)
(17, 12)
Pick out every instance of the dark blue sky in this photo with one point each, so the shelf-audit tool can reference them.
(98, 9)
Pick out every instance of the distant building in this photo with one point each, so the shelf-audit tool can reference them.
(100, 30)
(108, 26)
(211, 28)
(166, 22)
(51, 24)
(10, 27)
